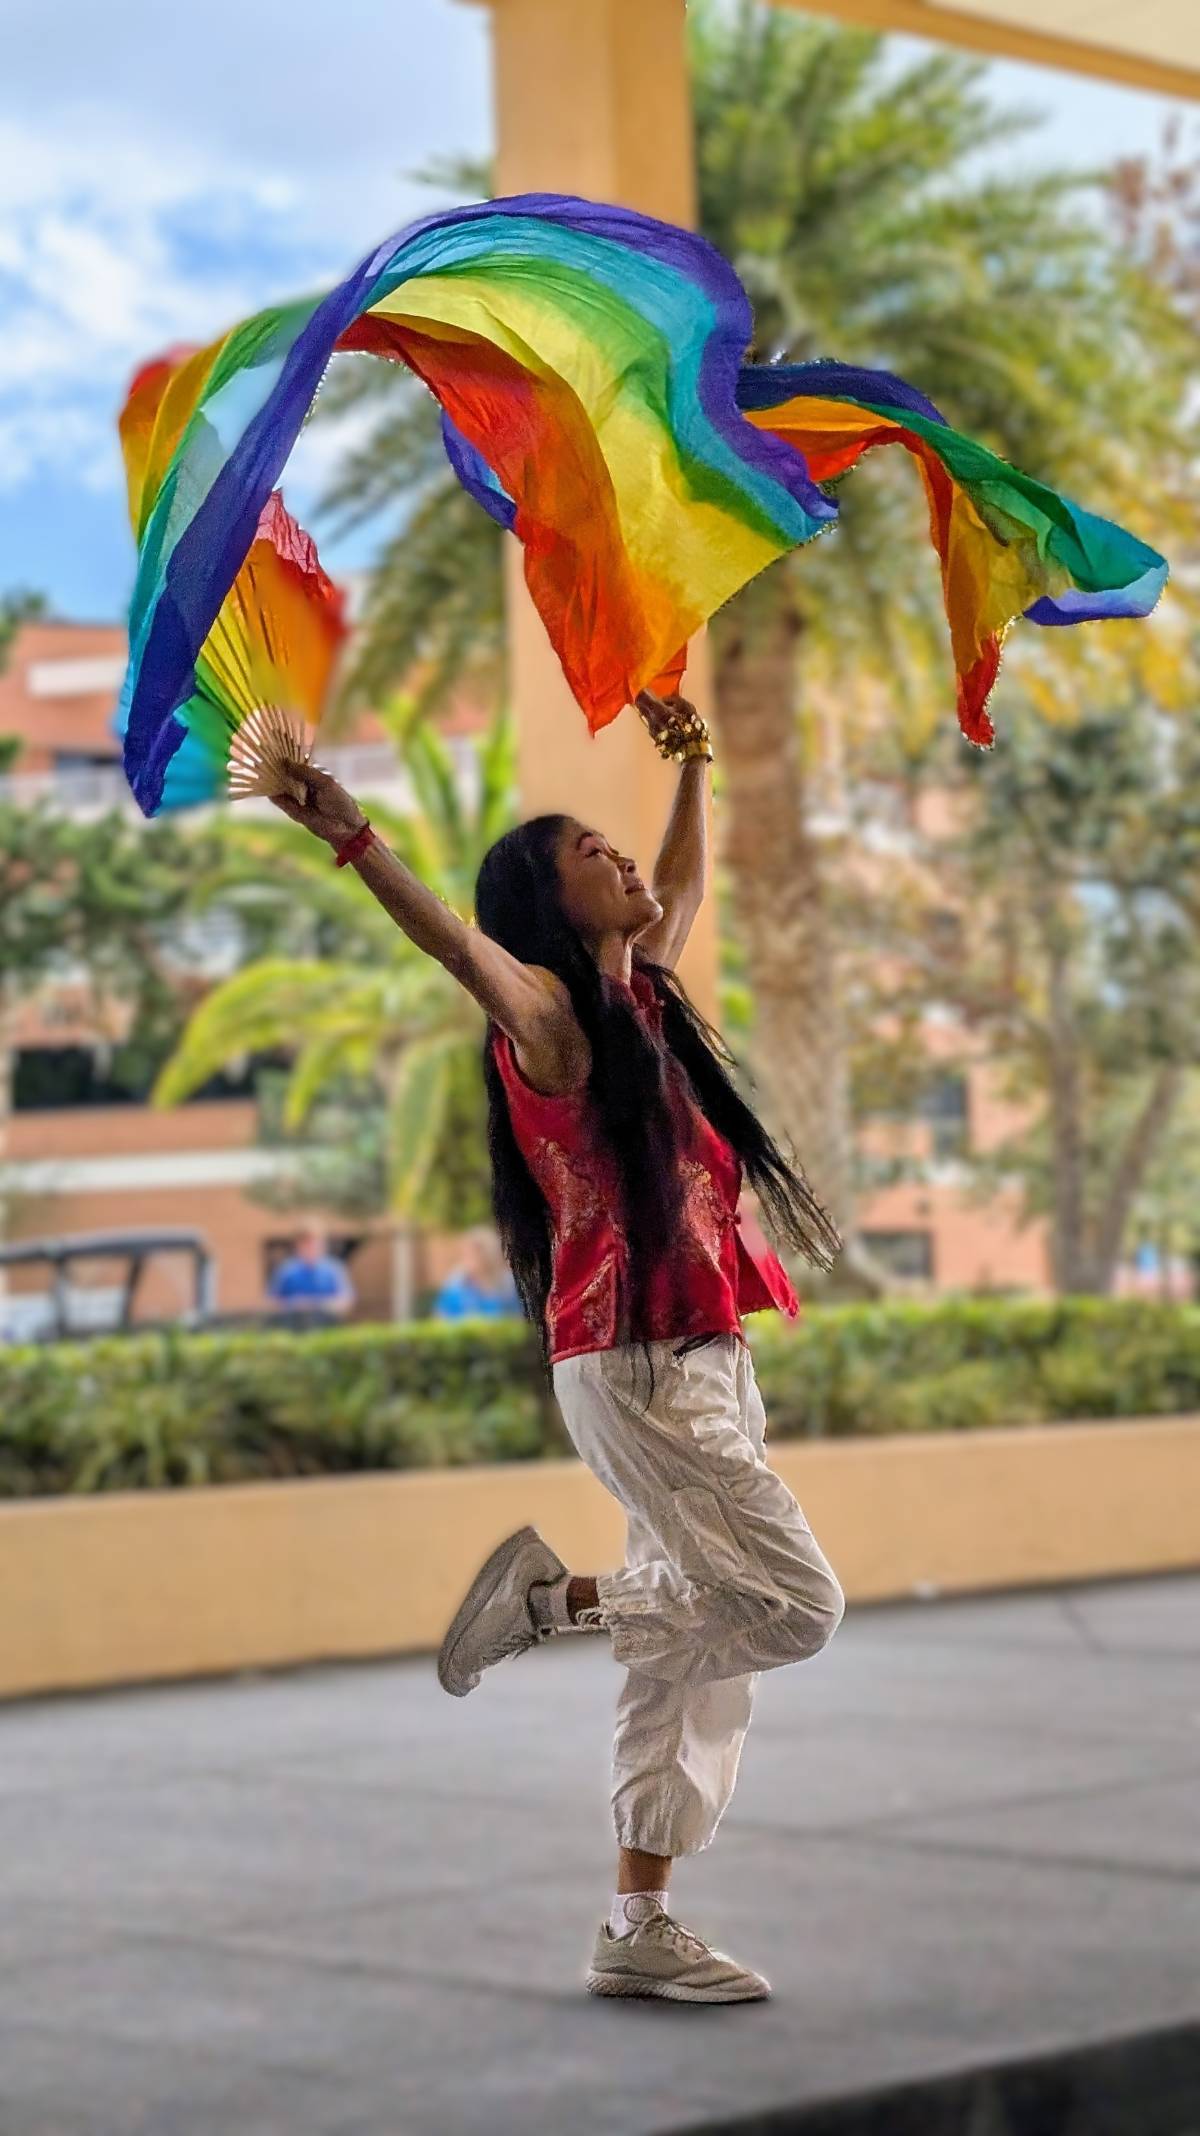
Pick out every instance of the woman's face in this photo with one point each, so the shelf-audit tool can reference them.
(602, 892)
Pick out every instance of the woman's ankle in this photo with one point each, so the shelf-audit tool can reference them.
(639, 1873)
(581, 1595)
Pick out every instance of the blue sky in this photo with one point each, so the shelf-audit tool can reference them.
(154, 189)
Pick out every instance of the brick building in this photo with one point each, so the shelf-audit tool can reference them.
(78, 1159)
(77, 1155)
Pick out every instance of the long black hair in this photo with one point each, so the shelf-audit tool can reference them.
(518, 903)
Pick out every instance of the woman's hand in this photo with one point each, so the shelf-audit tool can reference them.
(674, 726)
(327, 810)
(661, 711)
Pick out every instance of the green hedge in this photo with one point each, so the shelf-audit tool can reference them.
(965, 1364)
(173, 1409)
(166, 1409)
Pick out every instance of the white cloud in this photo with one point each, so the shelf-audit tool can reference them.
(320, 448)
(52, 435)
(104, 260)
(153, 194)
(341, 103)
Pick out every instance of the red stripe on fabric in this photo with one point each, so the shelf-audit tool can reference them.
(862, 431)
(599, 612)
(974, 689)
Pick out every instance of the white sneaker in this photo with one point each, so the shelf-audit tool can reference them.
(494, 1619)
(661, 1957)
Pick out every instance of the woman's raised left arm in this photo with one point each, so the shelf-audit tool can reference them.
(681, 869)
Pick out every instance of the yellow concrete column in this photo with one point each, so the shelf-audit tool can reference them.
(593, 99)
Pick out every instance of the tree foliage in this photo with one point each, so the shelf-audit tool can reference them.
(1072, 857)
(377, 1033)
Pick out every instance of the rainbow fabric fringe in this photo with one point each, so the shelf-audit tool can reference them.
(588, 365)
(1007, 545)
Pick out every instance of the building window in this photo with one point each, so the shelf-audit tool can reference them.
(943, 1105)
(57, 1078)
(907, 1254)
(70, 761)
(64, 1078)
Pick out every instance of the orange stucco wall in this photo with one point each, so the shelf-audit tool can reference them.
(182, 1583)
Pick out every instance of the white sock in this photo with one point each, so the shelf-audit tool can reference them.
(548, 1605)
(631, 1907)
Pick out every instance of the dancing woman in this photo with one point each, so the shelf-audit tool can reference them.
(619, 1145)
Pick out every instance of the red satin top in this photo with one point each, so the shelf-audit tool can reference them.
(710, 1278)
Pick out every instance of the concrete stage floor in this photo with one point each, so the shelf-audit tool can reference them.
(338, 1903)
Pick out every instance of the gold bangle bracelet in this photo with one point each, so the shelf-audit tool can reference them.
(681, 738)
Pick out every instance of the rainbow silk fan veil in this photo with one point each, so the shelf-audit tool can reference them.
(588, 365)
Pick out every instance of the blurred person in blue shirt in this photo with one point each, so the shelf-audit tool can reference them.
(480, 1286)
(311, 1279)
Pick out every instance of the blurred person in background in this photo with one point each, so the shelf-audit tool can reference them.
(619, 1143)
(480, 1285)
(311, 1279)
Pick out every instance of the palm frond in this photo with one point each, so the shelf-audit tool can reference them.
(256, 1011)
(497, 762)
(420, 1098)
(431, 769)
(343, 1048)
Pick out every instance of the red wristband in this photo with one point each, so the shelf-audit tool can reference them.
(355, 845)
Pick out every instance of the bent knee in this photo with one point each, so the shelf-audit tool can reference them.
(815, 1608)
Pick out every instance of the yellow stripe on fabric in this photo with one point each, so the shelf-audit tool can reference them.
(988, 581)
(175, 411)
(700, 551)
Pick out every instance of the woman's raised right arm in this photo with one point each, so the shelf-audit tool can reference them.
(531, 1005)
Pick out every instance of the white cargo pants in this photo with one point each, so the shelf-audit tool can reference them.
(722, 1575)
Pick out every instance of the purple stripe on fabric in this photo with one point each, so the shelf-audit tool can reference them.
(683, 250)
(476, 476)
(766, 385)
(213, 547)
(720, 365)
(1073, 606)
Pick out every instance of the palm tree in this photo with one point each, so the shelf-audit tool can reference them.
(853, 199)
(857, 201)
(346, 994)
